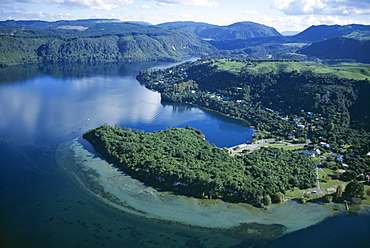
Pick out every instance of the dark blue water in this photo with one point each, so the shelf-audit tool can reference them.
(42, 106)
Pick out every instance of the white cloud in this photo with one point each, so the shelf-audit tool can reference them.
(252, 12)
(200, 3)
(90, 4)
(144, 6)
(324, 7)
(301, 22)
(164, 4)
(22, 14)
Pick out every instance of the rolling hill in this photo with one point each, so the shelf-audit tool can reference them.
(236, 31)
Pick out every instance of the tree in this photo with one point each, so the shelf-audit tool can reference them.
(277, 197)
(339, 192)
(266, 200)
(354, 189)
(350, 175)
(331, 127)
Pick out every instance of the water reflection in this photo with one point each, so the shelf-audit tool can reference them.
(54, 107)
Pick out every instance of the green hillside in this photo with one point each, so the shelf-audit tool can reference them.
(344, 70)
(98, 42)
(339, 48)
(236, 31)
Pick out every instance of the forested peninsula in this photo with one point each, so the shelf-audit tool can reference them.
(182, 161)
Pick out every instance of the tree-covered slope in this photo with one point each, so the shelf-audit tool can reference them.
(101, 42)
(182, 161)
(339, 48)
(236, 31)
(320, 32)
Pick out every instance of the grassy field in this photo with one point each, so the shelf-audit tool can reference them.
(230, 65)
(356, 71)
(286, 147)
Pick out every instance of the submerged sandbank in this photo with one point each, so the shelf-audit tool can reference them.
(112, 186)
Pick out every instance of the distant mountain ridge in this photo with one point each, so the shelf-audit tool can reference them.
(316, 33)
(239, 30)
(102, 40)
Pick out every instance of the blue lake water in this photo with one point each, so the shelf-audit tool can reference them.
(42, 106)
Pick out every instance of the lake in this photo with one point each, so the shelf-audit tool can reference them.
(44, 106)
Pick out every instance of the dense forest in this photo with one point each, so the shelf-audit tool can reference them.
(101, 42)
(181, 160)
(279, 104)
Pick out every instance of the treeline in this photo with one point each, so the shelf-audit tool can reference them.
(280, 104)
(181, 160)
(100, 43)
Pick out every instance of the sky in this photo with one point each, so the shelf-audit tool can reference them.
(284, 15)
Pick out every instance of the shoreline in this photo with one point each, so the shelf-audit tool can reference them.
(118, 190)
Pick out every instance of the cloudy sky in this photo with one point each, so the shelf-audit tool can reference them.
(284, 15)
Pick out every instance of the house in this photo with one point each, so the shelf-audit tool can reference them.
(268, 109)
(290, 137)
(340, 158)
(367, 176)
(308, 153)
(323, 144)
(316, 151)
(312, 154)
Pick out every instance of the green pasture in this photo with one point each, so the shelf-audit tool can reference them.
(356, 71)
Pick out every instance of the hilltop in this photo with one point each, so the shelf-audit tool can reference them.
(236, 31)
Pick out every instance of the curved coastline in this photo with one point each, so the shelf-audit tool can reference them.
(111, 186)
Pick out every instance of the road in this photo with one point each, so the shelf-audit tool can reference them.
(318, 189)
